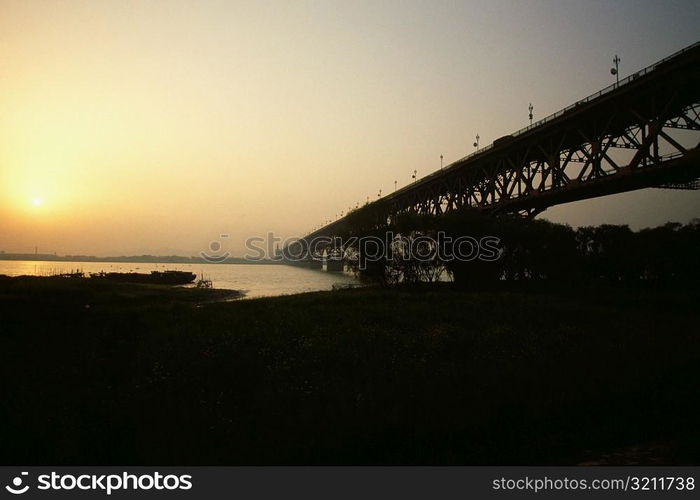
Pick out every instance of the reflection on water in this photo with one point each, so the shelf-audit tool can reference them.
(256, 280)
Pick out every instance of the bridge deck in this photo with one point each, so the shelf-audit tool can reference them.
(624, 137)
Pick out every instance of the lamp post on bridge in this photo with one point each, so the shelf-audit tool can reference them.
(440, 162)
(476, 144)
(380, 194)
(530, 108)
(395, 182)
(415, 172)
(616, 70)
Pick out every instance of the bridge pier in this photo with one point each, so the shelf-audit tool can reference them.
(334, 265)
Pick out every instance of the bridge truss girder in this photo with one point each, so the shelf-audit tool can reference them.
(576, 162)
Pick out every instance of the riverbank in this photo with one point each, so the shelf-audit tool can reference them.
(63, 294)
(433, 375)
(253, 280)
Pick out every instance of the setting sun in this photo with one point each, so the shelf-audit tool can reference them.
(36, 202)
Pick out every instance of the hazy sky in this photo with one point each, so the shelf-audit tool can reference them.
(154, 126)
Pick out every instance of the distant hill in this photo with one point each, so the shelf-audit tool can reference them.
(174, 259)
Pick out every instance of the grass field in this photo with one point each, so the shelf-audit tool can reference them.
(429, 375)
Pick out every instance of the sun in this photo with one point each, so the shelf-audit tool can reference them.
(37, 202)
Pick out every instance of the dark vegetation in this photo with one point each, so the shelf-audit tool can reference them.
(519, 373)
(530, 249)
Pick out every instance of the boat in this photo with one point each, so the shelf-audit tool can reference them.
(154, 278)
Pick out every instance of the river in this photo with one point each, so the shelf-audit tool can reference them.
(255, 280)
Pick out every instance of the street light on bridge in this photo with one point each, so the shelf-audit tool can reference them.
(616, 70)
(395, 183)
(530, 108)
(380, 194)
(440, 162)
(476, 144)
(415, 172)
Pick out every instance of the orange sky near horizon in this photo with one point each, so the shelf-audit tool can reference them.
(130, 127)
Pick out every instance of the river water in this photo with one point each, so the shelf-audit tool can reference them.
(256, 280)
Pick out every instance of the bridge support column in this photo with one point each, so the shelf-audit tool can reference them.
(335, 265)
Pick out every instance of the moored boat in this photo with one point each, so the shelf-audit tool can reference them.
(155, 277)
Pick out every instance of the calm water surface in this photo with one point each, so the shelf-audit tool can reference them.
(256, 280)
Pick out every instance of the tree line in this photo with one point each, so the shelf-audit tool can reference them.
(418, 249)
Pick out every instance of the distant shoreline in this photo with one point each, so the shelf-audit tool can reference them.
(142, 259)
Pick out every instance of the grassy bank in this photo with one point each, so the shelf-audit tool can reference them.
(149, 375)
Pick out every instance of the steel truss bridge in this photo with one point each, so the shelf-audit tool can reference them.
(641, 132)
